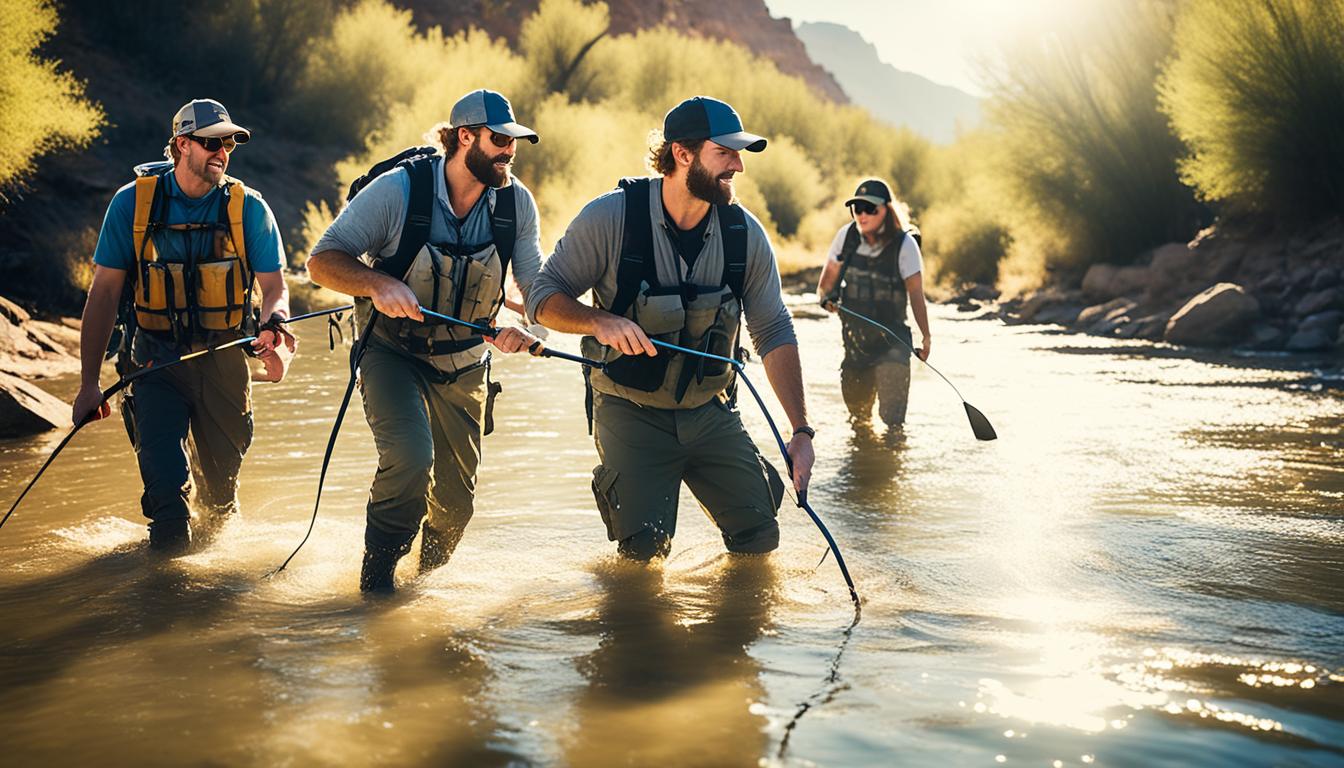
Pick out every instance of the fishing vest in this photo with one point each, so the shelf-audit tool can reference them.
(872, 286)
(211, 289)
(462, 280)
(703, 317)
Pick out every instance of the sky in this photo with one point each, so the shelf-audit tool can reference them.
(940, 40)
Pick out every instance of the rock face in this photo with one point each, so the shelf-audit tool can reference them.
(1107, 281)
(27, 410)
(1218, 316)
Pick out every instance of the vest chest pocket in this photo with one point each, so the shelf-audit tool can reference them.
(220, 294)
(161, 295)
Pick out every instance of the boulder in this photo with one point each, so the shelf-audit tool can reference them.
(1267, 337)
(25, 409)
(1150, 327)
(13, 312)
(1058, 314)
(1319, 301)
(1311, 340)
(1326, 278)
(1100, 313)
(1107, 281)
(1173, 260)
(1218, 316)
(1327, 321)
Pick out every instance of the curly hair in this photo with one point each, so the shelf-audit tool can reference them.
(661, 160)
(445, 135)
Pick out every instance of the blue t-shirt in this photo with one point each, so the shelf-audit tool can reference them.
(115, 249)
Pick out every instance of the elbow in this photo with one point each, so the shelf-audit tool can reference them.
(317, 267)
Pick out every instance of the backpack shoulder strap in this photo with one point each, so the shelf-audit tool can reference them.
(504, 226)
(419, 210)
(734, 222)
(146, 189)
(847, 252)
(237, 195)
(636, 264)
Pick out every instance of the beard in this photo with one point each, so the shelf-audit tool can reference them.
(706, 186)
(200, 170)
(482, 166)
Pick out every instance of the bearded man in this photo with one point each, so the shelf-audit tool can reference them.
(673, 258)
(425, 384)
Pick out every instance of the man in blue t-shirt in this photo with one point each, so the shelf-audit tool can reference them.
(184, 246)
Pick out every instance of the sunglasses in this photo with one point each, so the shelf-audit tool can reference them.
(863, 207)
(213, 143)
(498, 139)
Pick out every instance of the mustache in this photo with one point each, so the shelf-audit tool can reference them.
(502, 158)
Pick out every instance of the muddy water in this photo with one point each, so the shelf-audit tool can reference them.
(1147, 568)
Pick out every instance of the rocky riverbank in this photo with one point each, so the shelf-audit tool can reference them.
(33, 349)
(1218, 291)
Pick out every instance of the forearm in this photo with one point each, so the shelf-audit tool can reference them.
(100, 314)
(342, 272)
(565, 314)
(274, 295)
(826, 284)
(785, 372)
(918, 307)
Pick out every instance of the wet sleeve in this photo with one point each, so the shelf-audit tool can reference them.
(114, 247)
(265, 251)
(582, 256)
(527, 242)
(372, 221)
(768, 321)
(910, 261)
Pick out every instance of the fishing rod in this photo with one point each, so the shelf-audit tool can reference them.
(536, 349)
(979, 424)
(121, 384)
(830, 687)
(148, 369)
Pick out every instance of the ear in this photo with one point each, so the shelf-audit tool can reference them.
(465, 136)
(682, 155)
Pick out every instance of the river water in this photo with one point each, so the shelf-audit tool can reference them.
(1146, 568)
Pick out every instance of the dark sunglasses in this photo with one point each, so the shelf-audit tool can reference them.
(213, 143)
(498, 139)
(864, 207)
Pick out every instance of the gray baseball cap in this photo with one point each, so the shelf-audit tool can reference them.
(207, 118)
(492, 110)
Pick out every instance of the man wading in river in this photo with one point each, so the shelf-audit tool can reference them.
(425, 383)
(672, 258)
(185, 242)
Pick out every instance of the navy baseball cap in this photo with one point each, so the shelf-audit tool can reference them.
(207, 118)
(871, 191)
(492, 110)
(701, 117)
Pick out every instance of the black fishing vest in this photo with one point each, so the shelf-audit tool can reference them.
(871, 286)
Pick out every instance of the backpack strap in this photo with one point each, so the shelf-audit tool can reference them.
(146, 193)
(236, 195)
(504, 227)
(637, 263)
(419, 210)
(734, 222)
(847, 252)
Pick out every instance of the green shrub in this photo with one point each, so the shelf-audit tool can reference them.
(1083, 143)
(788, 182)
(41, 108)
(1256, 89)
(558, 42)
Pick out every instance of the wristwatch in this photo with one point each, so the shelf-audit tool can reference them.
(805, 430)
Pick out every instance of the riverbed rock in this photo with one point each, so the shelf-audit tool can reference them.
(1266, 337)
(1107, 281)
(1325, 278)
(13, 312)
(1151, 327)
(1099, 314)
(1327, 321)
(1218, 316)
(26, 409)
(1310, 340)
(1319, 301)
(1059, 314)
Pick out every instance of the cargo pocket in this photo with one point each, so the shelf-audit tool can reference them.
(604, 492)
(776, 483)
(128, 417)
(215, 294)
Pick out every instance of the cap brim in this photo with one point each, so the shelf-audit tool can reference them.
(867, 199)
(515, 130)
(740, 141)
(226, 128)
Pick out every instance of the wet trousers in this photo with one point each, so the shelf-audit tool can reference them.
(189, 424)
(887, 382)
(646, 454)
(428, 435)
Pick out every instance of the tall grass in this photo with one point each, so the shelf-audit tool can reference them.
(41, 107)
(1256, 89)
(1086, 151)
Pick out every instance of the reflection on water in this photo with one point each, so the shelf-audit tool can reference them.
(1146, 568)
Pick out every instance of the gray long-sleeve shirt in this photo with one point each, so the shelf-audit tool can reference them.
(587, 257)
(371, 223)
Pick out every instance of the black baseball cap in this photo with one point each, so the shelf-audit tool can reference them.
(871, 191)
(701, 117)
